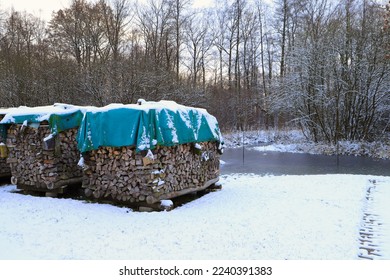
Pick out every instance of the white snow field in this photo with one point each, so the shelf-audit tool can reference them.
(316, 217)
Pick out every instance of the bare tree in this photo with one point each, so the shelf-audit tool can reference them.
(179, 20)
(338, 87)
(198, 42)
(18, 56)
(116, 19)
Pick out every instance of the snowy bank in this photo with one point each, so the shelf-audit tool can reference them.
(253, 217)
(293, 141)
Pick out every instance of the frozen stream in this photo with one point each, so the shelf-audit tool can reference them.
(239, 160)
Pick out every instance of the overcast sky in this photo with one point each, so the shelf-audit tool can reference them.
(44, 8)
(40, 8)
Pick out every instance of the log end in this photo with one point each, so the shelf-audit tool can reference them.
(14, 180)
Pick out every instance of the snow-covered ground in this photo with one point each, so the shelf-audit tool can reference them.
(252, 217)
(295, 142)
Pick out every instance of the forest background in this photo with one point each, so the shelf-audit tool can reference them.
(318, 65)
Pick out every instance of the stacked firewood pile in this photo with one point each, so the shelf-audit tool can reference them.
(40, 161)
(5, 170)
(122, 175)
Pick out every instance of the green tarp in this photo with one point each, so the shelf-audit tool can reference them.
(59, 116)
(144, 126)
(62, 122)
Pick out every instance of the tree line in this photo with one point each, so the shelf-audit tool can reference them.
(319, 65)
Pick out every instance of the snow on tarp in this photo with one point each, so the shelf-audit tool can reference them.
(59, 116)
(4, 111)
(146, 125)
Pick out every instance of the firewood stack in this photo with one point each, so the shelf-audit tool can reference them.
(5, 170)
(122, 175)
(42, 163)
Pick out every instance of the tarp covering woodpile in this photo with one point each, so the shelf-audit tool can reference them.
(147, 153)
(60, 117)
(42, 146)
(146, 126)
(134, 153)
